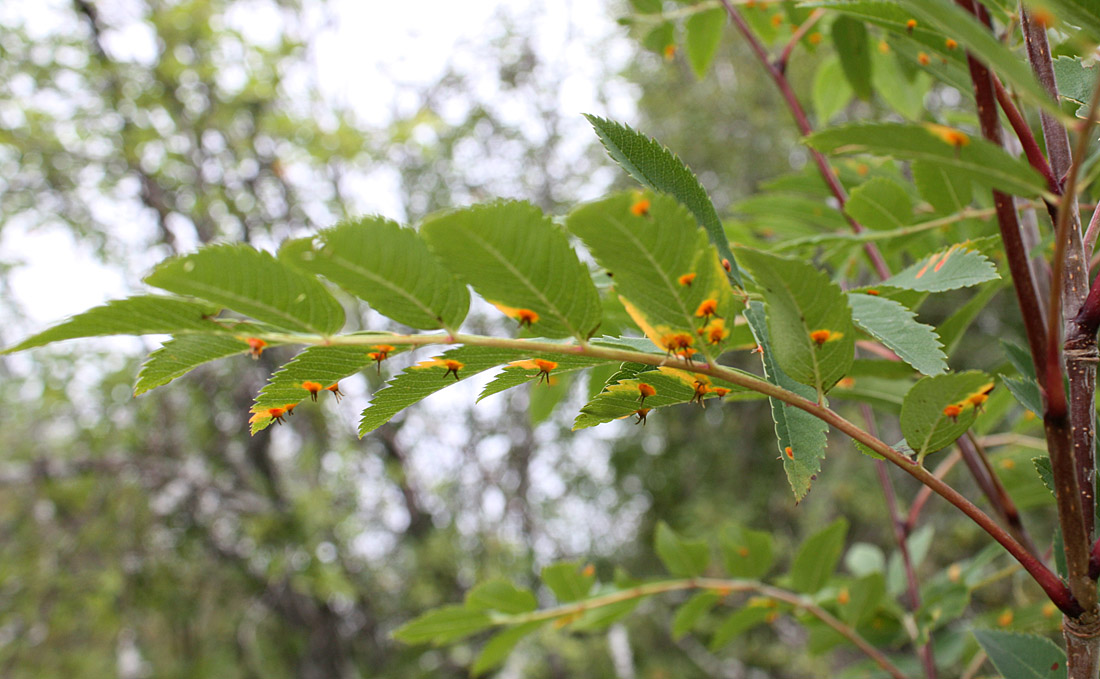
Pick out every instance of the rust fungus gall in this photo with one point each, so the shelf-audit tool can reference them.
(452, 367)
(313, 388)
(640, 208)
(335, 389)
(544, 367)
(255, 346)
(687, 279)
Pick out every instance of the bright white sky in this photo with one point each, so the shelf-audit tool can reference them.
(364, 58)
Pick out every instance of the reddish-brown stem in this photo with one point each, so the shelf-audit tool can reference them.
(977, 460)
(925, 492)
(901, 534)
(780, 79)
(1027, 140)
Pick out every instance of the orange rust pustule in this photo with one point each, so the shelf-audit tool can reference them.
(452, 367)
(313, 388)
(255, 346)
(335, 389)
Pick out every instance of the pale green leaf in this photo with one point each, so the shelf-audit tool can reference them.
(567, 582)
(896, 327)
(689, 614)
(949, 269)
(497, 649)
(659, 169)
(320, 365)
(831, 92)
(443, 626)
(746, 553)
(141, 315)
(737, 623)
(518, 259)
(704, 32)
(801, 303)
(685, 558)
(427, 377)
(818, 556)
(881, 204)
(502, 596)
(182, 354)
(663, 268)
(796, 430)
(949, 191)
(865, 595)
(974, 158)
(388, 266)
(254, 283)
(938, 410)
(1022, 656)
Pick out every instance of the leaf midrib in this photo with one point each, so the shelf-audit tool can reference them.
(350, 266)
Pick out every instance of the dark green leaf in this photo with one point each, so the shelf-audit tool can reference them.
(389, 267)
(796, 430)
(141, 315)
(864, 596)
(802, 303)
(969, 157)
(1022, 656)
(938, 410)
(949, 191)
(880, 203)
(951, 331)
(686, 558)
(818, 556)
(1046, 474)
(659, 169)
(518, 259)
(182, 354)
(739, 622)
(853, 49)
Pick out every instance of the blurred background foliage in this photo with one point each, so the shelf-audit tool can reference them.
(155, 538)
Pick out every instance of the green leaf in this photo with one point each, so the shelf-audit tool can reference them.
(737, 623)
(623, 397)
(688, 615)
(141, 315)
(603, 617)
(1075, 82)
(1026, 391)
(976, 159)
(938, 410)
(180, 355)
(390, 267)
(955, 267)
(443, 626)
(957, 23)
(686, 558)
(802, 302)
(567, 582)
(796, 430)
(524, 371)
(830, 93)
(865, 595)
(322, 365)
(1082, 13)
(427, 377)
(658, 39)
(704, 32)
(949, 191)
(881, 204)
(518, 259)
(895, 326)
(853, 49)
(951, 330)
(1022, 656)
(502, 596)
(254, 283)
(663, 267)
(659, 169)
(1045, 472)
(818, 556)
(497, 649)
(903, 91)
(746, 553)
